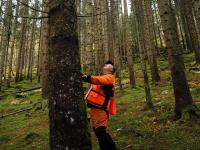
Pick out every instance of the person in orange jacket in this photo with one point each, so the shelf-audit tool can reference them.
(100, 100)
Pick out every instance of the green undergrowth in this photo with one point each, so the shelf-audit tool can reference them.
(135, 127)
(17, 87)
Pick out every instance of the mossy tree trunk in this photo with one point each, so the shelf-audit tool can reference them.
(182, 93)
(67, 111)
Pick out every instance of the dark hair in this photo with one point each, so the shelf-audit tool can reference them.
(109, 62)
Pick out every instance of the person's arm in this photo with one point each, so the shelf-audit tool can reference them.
(102, 80)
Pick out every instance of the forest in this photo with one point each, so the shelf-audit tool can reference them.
(50, 49)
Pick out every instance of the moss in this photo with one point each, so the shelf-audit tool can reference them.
(30, 137)
(4, 139)
(132, 128)
(195, 92)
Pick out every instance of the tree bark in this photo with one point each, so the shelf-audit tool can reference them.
(187, 6)
(20, 60)
(67, 111)
(109, 32)
(14, 35)
(5, 40)
(141, 43)
(182, 93)
(45, 54)
(115, 42)
(185, 25)
(150, 44)
(39, 64)
(196, 5)
(8, 30)
(100, 58)
(159, 28)
(105, 30)
(32, 45)
(89, 51)
(129, 48)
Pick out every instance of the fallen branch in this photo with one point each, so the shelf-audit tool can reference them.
(16, 112)
(21, 91)
(128, 147)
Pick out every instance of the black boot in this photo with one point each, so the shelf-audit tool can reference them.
(105, 140)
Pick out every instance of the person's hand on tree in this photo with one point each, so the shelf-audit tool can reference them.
(86, 78)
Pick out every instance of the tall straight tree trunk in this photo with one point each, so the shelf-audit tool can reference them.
(96, 36)
(105, 30)
(109, 32)
(24, 59)
(182, 93)
(180, 25)
(20, 58)
(141, 43)
(9, 28)
(120, 30)
(26, 52)
(31, 54)
(134, 26)
(118, 58)
(187, 5)
(100, 58)
(67, 111)
(155, 35)
(150, 44)
(39, 52)
(32, 44)
(83, 35)
(39, 57)
(128, 45)
(89, 51)
(5, 40)
(115, 38)
(123, 34)
(196, 5)
(3, 53)
(45, 53)
(14, 31)
(189, 46)
(1, 25)
(157, 20)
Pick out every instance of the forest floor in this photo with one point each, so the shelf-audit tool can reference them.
(134, 127)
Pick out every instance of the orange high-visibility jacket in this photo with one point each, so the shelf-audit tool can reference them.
(96, 96)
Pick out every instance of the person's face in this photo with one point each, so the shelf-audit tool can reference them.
(107, 69)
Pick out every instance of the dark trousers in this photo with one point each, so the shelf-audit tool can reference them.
(105, 140)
